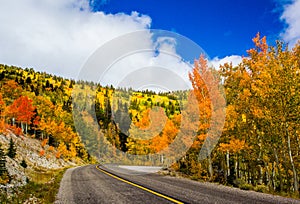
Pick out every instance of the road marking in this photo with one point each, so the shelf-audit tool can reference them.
(139, 186)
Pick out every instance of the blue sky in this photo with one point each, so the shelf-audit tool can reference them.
(59, 36)
(221, 28)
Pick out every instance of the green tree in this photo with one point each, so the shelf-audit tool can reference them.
(24, 164)
(12, 150)
(3, 169)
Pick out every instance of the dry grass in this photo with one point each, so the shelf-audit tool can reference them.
(41, 189)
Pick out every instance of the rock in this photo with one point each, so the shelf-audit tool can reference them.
(28, 149)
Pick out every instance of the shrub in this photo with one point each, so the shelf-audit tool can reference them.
(24, 164)
(238, 182)
(246, 186)
(12, 150)
(42, 152)
(4, 179)
(261, 188)
(51, 149)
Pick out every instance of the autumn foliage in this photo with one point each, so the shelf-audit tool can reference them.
(259, 144)
(30, 105)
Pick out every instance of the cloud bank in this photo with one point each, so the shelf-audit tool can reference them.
(58, 36)
(234, 59)
(291, 16)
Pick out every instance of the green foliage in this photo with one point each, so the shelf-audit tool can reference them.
(259, 147)
(12, 150)
(44, 192)
(261, 188)
(39, 105)
(3, 169)
(246, 186)
(23, 164)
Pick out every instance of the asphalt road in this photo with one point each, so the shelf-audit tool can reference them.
(92, 184)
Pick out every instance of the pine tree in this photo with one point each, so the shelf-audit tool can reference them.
(3, 169)
(24, 164)
(12, 149)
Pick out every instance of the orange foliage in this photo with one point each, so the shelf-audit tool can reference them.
(22, 109)
(144, 122)
(234, 146)
(161, 141)
(16, 130)
(200, 78)
(60, 131)
(11, 90)
(42, 153)
(2, 105)
(260, 43)
(2, 126)
(58, 155)
(44, 142)
(51, 149)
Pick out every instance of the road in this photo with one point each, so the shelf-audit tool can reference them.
(98, 184)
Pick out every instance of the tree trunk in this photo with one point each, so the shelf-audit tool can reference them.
(210, 169)
(273, 177)
(298, 142)
(236, 167)
(260, 175)
(278, 168)
(248, 173)
(268, 177)
(22, 127)
(227, 163)
(26, 128)
(295, 177)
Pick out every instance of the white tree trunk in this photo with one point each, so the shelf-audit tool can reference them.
(295, 177)
(227, 163)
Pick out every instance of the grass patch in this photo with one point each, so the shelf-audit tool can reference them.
(40, 176)
(36, 191)
(261, 188)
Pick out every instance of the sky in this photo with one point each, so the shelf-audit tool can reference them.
(221, 27)
(59, 36)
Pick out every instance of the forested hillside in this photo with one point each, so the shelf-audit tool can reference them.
(38, 105)
(260, 142)
(37, 135)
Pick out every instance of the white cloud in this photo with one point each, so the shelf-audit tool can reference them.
(142, 62)
(234, 59)
(291, 16)
(58, 36)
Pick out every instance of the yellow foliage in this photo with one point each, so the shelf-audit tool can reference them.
(234, 146)
(62, 149)
(244, 118)
(4, 179)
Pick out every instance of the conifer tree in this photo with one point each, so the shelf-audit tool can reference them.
(12, 151)
(3, 169)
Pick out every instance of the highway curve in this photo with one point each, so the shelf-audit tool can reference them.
(98, 184)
